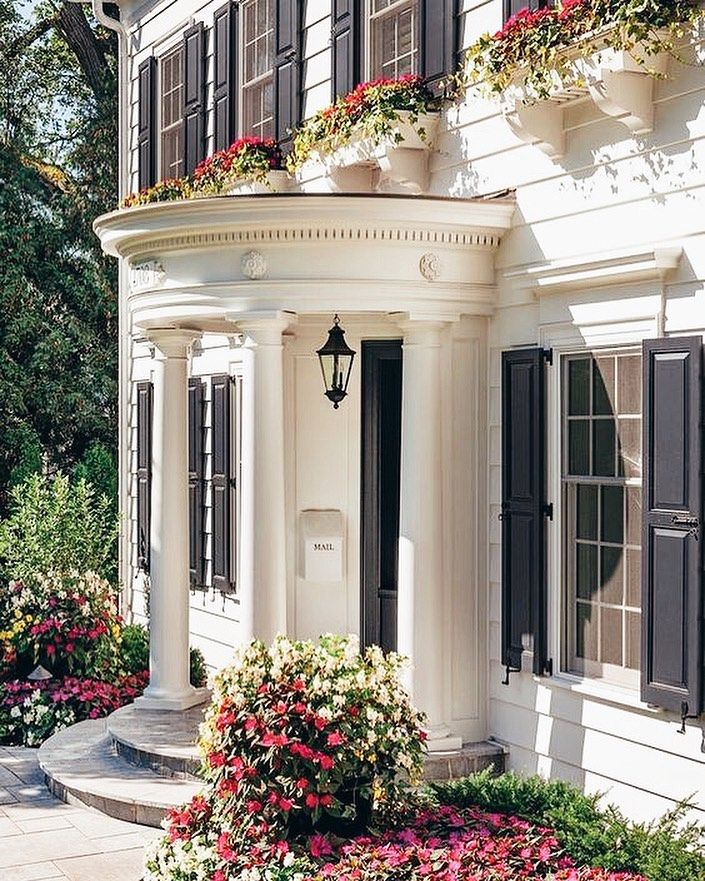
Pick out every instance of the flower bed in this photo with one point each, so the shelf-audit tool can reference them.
(32, 711)
(536, 47)
(246, 161)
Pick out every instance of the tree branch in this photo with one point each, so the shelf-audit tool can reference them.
(30, 36)
(83, 42)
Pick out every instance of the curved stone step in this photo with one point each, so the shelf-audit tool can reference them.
(81, 764)
(162, 741)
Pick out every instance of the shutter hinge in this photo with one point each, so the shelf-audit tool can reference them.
(548, 356)
(685, 716)
(548, 510)
(548, 667)
(507, 670)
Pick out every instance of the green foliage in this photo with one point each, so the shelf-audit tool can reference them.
(667, 850)
(56, 524)
(98, 467)
(135, 655)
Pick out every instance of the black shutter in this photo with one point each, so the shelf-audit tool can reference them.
(511, 7)
(144, 472)
(287, 98)
(225, 75)
(194, 97)
(672, 505)
(438, 38)
(146, 123)
(345, 46)
(524, 508)
(221, 482)
(195, 482)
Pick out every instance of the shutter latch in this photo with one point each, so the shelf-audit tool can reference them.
(548, 510)
(685, 716)
(692, 522)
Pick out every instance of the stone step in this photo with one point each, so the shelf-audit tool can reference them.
(81, 764)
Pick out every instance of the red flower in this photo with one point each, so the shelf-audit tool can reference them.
(335, 738)
(312, 800)
(254, 806)
(302, 783)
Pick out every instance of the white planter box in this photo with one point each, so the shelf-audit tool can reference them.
(277, 181)
(614, 80)
(363, 164)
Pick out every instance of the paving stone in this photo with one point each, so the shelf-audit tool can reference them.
(44, 824)
(37, 847)
(125, 842)
(6, 797)
(35, 808)
(28, 792)
(124, 865)
(34, 872)
(8, 827)
(7, 778)
(93, 824)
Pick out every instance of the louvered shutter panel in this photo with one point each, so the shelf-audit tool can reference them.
(287, 99)
(194, 97)
(345, 47)
(144, 472)
(524, 509)
(195, 481)
(672, 509)
(438, 38)
(146, 123)
(221, 482)
(225, 68)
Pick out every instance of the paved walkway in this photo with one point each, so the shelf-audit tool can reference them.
(42, 838)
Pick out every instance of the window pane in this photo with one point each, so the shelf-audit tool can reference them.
(586, 632)
(587, 511)
(578, 447)
(603, 387)
(394, 37)
(586, 563)
(579, 387)
(629, 448)
(629, 380)
(634, 515)
(603, 451)
(633, 578)
(612, 513)
(611, 636)
(611, 575)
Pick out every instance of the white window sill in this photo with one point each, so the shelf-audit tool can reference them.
(600, 691)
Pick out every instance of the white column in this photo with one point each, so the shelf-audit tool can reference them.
(263, 531)
(421, 594)
(169, 687)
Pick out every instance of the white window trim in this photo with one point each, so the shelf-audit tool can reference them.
(165, 48)
(564, 339)
(368, 59)
(261, 78)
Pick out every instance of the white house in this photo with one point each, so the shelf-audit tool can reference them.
(511, 490)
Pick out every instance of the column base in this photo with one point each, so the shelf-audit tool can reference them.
(192, 697)
(440, 740)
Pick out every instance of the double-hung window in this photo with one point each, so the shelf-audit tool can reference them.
(393, 38)
(171, 94)
(257, 53)
(601, 478)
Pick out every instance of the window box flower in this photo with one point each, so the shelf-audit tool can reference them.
(607, 51)
(383, 130)
(276, 180)
(249, 166)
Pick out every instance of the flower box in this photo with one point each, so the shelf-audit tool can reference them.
(276, 181)
(400, 157)
(619, 83)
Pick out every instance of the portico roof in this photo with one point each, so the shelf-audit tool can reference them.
(213, 259)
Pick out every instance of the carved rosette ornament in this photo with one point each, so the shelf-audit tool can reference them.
(253, 265)
(430, 266)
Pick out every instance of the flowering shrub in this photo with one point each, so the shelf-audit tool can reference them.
(163, 191)
(369, 111)
(299, 739)
(247, 159)
(32, 711)
(536, 46)
(66, 622)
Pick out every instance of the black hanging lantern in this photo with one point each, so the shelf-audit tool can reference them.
(336, 359)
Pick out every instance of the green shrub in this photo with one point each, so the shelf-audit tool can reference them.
(57, 525)
(135, 655)
(666, 850)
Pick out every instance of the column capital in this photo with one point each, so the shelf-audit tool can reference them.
(265, 328)
(172, 342)
(420, 330)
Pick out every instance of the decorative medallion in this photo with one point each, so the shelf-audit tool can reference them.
(146, 274)
(430, 266)
(253, 265)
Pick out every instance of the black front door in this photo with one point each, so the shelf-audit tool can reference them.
(379, 505)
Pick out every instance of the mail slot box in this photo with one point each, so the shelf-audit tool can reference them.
(321, 545)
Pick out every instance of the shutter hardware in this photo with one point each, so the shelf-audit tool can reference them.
(509, 669)
(685, 716)
(690, 521)
(548, 510)
(548, 356)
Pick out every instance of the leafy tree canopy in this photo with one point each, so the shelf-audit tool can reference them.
(58, 303)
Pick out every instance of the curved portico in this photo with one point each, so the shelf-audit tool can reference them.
(260, 270)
